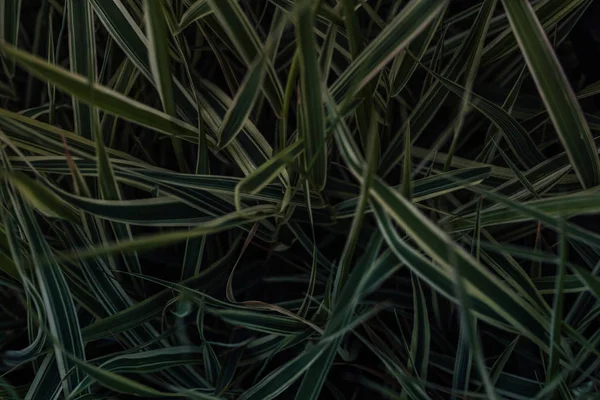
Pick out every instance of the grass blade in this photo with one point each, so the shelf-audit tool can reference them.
(140, 244)
(246, 42)
(43, 200)
(243, 102)
(10, 15)
(265, 174)
(556, 92)
(100, 96)
(82, 54)
(313, 132)
(432, 240)
(58, 303)
(557, 313)
(160, 64)
(404, 67)
(198, 10)
(421, 337)
(518, 138)
(412, 20)
(118, 383)
(247, 94)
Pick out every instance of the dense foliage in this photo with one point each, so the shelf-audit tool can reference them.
(301, 199)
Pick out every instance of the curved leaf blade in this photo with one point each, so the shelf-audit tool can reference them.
(556, 92)
(313, 124)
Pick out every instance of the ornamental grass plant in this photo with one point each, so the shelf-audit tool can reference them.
(299, 199)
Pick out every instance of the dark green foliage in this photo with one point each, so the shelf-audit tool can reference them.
(309, 199)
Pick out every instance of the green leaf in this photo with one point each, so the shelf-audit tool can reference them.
(363, 200)
(590, 281)
(499, 365)
(10, 16)
(438, 245)
(573, 231)
(243, 102)
(250, 148)
(427, 188)
(557, 313)
(356, 46)
(403, 67)
(82, 53)
(47, 380)
(126, 319)
(556, 92)
(102, 97)
(160, 64)
(469, 335)
(313, 125)
(279, 380)
(151, 307)
(51, 136)
(550, 13)
(147, 362)
(8, 390)
(421, 334)
(118, 383)
(590, 90)
(479, 31)
(411, 21)
(323, 10)
(59, 308)
(366, 277)
(244, 38)
(518, 138)
(263, 175)
(198, 10)
(463, 363)
(248, 152)
(247, 94)
(42, 199)
(407, 166)
(409, 384)
(568, 205)
(147, 242)
(326, 54)
(260, 321)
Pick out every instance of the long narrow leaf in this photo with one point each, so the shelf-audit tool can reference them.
(556, 92)
(315, 150)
